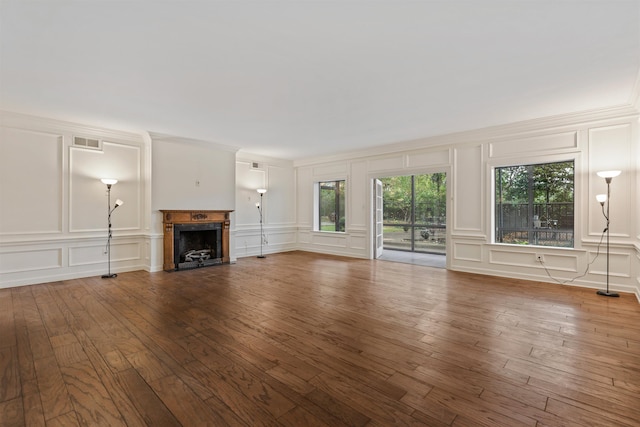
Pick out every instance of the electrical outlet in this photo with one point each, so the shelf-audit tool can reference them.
(539, 257)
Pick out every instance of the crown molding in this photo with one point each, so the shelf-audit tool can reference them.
(247, 156)
(528, 128)
(183, 140)
(47, 125)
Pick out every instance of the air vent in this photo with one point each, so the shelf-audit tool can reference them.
(255, 165)
(86, 142)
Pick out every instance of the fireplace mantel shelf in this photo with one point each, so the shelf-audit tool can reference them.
(173, 217)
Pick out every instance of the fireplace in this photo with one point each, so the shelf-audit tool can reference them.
(194, 239)
(197, 245)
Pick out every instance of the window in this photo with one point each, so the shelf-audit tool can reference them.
(331, 206)
(534, 204)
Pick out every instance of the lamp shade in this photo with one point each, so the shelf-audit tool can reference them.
(601, 198)
(119, 203)
(109, 181)
(261, 190)
(608, 174)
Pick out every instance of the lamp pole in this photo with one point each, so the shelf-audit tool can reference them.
(261, 191)
(109, 182)
(608, 176)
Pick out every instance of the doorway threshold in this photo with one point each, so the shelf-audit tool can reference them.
(416, 258)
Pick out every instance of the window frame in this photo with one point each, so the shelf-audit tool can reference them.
(317, 220)
(413, 224)
(568, 156)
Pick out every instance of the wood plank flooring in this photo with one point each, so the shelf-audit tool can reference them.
(300, 339)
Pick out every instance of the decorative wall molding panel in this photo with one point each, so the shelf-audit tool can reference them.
(338, 169)
(32, 169)
(612, 147)
(30, 259)
(567, 141)
(468, 189)
(467, 251)
(279, 239)
(431, 159)
(88, 196)
(387, 164)
(605, 139)
(56, 224)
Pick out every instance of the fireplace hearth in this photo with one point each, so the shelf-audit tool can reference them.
(194, 239)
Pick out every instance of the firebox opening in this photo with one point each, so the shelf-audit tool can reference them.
(197, 245)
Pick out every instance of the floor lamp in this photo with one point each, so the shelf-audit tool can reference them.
(261, 191)
(109, 182)
(605, 198)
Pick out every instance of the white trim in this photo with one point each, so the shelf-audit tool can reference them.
(182, 140)
(534, 127)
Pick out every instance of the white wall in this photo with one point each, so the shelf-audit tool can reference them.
(190, 174)
(54, 227)
(600, 141)
(53, 207)
(358, 173)
(278, 205)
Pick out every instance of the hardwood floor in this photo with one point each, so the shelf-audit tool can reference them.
(300, 339)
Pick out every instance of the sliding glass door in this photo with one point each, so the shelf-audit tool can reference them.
(414, 213)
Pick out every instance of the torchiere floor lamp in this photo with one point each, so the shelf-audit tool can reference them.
(602, 198)
(261, 191)
(109, 182)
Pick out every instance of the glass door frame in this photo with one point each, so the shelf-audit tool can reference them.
(412, 224)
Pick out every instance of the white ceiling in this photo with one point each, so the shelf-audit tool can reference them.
(294, 79)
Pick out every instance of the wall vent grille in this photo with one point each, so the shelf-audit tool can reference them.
(79, 141)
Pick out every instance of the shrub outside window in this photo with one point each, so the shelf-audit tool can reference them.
(534, 204)
(331, 205)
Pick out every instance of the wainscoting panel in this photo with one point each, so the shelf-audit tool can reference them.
(247, 241)
(21, 260)
(358, 239)
(467, 251)
(559, 262)
(511, 257)
(329, 239)
(527, 257)
(619, 264)
(95, 254)
(343, 244)
(89, 254)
